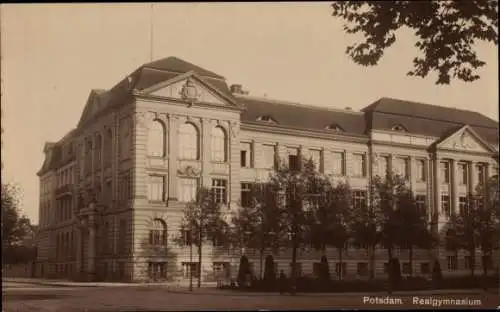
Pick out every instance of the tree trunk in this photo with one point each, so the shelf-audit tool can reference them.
(341, 272)
(371, 261)
(410, 252)
(199, 260)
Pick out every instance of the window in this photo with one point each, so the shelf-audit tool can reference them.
(188, 142)
(219, 145)
(158, 233)
(468, 262)
(221, 269)
(359, 199)
(122, 235)
(125, 187)
(298, 269)
(444, 171)
(125, 139)
(266, 118)
(384, 166)
(401, 167)
(98, 151)
(316, 158)
(362, 269)
(268, 156)
(219, 189)
(246, 195)
(445, 205)
(463, 173)
(420, 170)
(104, 238)
(338, 268)
(421, 206)
(293, 158)
(108, 189)
(334, 128)
(462, 205)
(481, 174)
(406, 268)
(246, 155)
(157, 139)
(187, 190)
(156, 188)
(190, 267)
(88, 157)
(358, 165)
(399, 127)
(338, 163)
(425, 268)
(157, 270)
(317, 269)
(452, 263)
(108, 148)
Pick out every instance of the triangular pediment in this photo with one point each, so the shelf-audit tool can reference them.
(467, 140)
(189, 87)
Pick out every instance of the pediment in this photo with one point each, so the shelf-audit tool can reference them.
(467, 140)
(189, 87)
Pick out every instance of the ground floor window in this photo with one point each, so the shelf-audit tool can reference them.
(157, 270)
(221, 270)
(452, 263)
(188, 267)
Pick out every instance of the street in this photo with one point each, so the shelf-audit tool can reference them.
(25, 296)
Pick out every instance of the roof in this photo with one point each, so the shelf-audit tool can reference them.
(302, 116)
(177, 65)
(426, 119)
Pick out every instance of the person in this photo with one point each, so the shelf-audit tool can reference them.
(282, 282)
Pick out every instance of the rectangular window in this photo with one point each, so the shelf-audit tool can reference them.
(316, 158)
(420, 200)
(401, 167)
(190, 267)
(246, 195)
(463, 173)
(445, 205)
(338, 163)
(187, 190)
(109, 191)
(122, 236)
(468, 262)
(156, 188)
(338, 267)
(157, 270)
(221, 270)
(425, 268)
(462, 205)
(268, 156)
(444, 171)
(293, 158)
(481, 174)
(358, 165)
(246, 155)
(219, 189)
(359, 199)
(362, 269)
(452, 263)
(420, 170)
(383, 166)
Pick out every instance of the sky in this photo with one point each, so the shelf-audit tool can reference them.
(54, 54)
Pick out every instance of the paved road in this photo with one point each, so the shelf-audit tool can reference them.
(33, 297)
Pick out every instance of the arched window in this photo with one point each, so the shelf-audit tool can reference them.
(108, 148)
(158, 233)
(219, 145)
(399, 127)
(334, 127)
(156, 139)
(266, 118)
(188, 142)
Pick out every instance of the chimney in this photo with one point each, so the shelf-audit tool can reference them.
(236, 88)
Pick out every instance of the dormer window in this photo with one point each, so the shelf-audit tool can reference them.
(334, 128)
(399, 127)
(266, 118)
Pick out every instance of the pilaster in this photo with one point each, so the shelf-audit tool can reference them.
(472, 177)
(205, 157)
(454, 187)
(234, 163)
(412, 174)
(173, 152)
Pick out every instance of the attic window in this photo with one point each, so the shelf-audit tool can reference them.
(266, 118)
(399, 127)
(334, 127)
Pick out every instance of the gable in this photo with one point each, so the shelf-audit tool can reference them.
(189, 87)
(465, 139)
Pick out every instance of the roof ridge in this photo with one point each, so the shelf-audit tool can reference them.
(282, 102)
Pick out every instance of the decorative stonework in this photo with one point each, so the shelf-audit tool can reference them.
(234, 128)
(465, 141)
(188, 171)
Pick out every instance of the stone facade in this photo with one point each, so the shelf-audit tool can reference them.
(110, 208)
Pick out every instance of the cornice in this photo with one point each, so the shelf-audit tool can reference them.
(400, 145)
(180, 102)
(309, 133)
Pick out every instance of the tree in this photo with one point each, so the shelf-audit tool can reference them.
(15, 225)
(270, 270)
(446, 32)
(243, 271)
(294, 187)
(324, 273)
(413, 223)
(257, 224)
(204, 223)
(332, 212)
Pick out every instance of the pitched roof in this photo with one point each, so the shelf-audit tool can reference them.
(177, 65)
(302, 116)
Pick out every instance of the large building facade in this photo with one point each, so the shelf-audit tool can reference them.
(113, 190)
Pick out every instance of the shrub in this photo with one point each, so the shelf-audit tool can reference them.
(324, 271)
(395, 275)
(269, 270)
(437, 275)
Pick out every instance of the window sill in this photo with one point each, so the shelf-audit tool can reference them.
(156, 202)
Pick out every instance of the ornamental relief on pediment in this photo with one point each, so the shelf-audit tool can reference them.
(464, 141)
(189, 171)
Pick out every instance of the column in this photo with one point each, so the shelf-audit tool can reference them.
(173, 145)
(412, 174)
(472, 177)
(437, 186)
(206, 128)
(91, 247)
(454, 187)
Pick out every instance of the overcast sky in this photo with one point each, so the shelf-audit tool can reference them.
(53, 55)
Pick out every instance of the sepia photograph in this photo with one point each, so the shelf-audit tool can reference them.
(197, 156)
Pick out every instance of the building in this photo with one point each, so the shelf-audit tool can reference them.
(112, 191)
